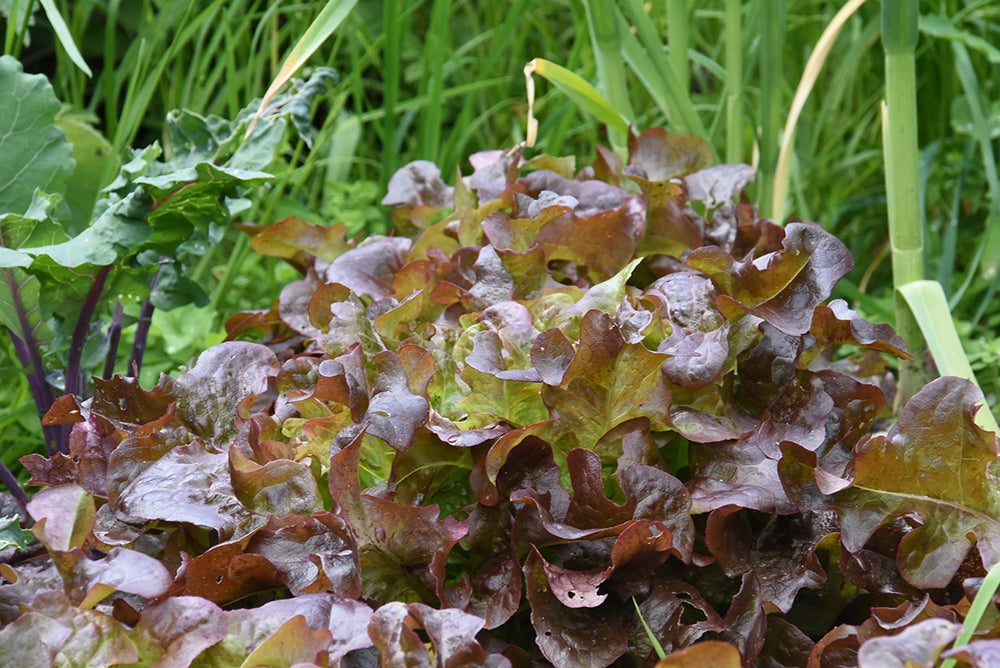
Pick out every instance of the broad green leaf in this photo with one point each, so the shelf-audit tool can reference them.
(35, 152)
(94, 157)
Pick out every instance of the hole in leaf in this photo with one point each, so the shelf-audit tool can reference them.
(692, 615)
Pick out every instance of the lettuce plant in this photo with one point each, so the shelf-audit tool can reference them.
(560, 411)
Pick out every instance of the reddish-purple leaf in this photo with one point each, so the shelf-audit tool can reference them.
(778, 551)
(567, 636)
(452, 635)
(346, 620)
(225, 374)
(369, 268)
(698, 347)
(183, 627)
(95, 640)
(919, 644)
(419, 183)
(64, 516)
(677, 616)
(299, 241)
(224, 574)
(662, 155)
(954, 493)
(603, 242)
(311, 554)
(189, 484)
(781, 285)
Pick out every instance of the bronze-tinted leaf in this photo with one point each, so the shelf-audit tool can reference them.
(781, 285)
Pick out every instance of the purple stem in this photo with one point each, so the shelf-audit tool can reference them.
(74, 378)
(142, 330)
(30, 356)
(31, 360)
(114, 337)
(10, 482)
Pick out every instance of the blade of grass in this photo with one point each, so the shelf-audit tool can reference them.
(678, 39)
(657, 647)
(984, 597)
(606, 43)
(643, 52)
(812, 69)
(393, 31)
(435, 46)
(64, 36)
(772, 26)
(585, 96)
(949, 240)
(981, 130)
(329, 18)
(734, 81)
(928, 304)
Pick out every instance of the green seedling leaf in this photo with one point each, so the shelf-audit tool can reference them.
(575, 88)
(11, 533)
(36, 153)
(329, 18)
(927, 302)
(65, 38)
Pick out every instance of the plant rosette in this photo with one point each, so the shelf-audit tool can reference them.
(560, 414)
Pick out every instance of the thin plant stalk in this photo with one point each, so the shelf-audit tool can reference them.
(679, 37)
(772, 24)
(902, 181)
(606, 42)
(429, 129)
(643, 52)
(393, 31)
(734, 77)
(114, 338)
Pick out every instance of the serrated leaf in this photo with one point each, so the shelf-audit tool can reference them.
(11, 534)
(954, 493)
